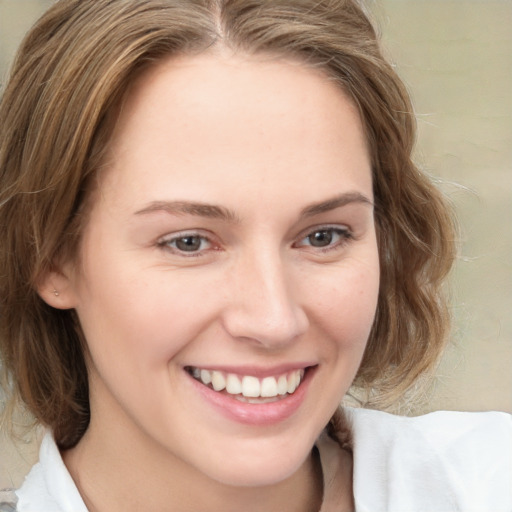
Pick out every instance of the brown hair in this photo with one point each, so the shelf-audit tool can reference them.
(56, 118)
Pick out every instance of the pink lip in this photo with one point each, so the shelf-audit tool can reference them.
(255, 414)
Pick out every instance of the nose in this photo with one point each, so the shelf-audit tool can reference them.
(263, 305)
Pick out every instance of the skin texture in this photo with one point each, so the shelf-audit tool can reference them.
(263, 141)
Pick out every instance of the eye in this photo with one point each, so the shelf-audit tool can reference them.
(325, 238)
(191, 243)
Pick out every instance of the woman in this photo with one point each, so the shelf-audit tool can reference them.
(212, 231)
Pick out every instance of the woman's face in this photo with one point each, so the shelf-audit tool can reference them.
(231, 243)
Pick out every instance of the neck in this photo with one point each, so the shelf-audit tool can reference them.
(116, 465)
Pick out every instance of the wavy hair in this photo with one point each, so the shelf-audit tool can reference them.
(56, 118)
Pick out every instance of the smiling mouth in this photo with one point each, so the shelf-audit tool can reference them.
(248, 388)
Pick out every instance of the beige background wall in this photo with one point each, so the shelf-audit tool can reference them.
(456, 57)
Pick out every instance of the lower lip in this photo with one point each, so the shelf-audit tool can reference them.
(255, 414)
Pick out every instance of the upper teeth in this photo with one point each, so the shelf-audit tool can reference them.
(249, 386)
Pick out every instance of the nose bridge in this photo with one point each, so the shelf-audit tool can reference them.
(263, 306)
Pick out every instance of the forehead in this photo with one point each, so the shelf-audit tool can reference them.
(239, 119)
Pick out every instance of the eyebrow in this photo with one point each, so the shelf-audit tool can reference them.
(335, 202)
(190, 208)
(212, 211)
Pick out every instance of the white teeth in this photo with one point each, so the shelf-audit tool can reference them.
(293, 381)
(251, 386)
(282, 385)
(206, 377)
(233, 385)
(218, 381)
(268, 387)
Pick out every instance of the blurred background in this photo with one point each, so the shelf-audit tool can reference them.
(456, 58)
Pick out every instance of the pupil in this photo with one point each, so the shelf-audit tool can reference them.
(320, 238)
(188, 243)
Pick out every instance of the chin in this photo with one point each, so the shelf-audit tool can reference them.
(261, 464)
(256, 476)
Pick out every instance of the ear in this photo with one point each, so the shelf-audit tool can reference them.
(56, 288)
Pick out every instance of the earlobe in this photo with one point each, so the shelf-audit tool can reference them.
(57, 290)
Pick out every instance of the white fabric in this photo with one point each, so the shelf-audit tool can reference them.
(49, 486)
(440, 462)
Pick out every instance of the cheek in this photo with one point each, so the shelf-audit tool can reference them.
(348, 305)
(143, 322)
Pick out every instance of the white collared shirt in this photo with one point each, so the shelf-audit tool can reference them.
(440, 462)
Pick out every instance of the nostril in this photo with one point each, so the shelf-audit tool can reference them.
(280, 326)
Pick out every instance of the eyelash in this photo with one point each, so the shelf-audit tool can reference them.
(165, 243)
(343, 234)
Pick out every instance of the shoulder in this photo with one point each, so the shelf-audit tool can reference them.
(442, 428)
(49, 487)
(441, 461)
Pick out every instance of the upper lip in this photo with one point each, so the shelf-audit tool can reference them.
(255, 371)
